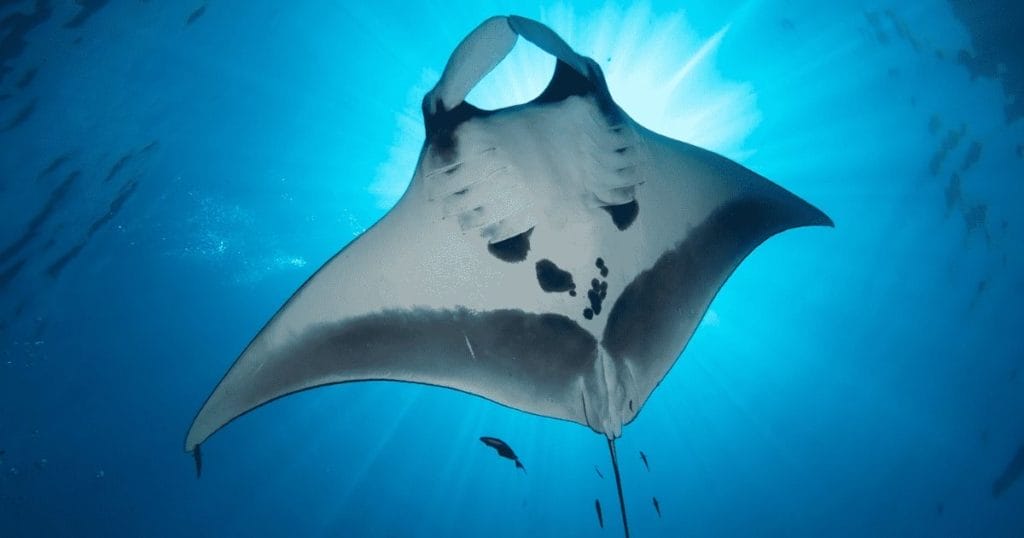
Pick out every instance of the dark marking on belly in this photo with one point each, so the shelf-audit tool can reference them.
(595, 301)
(442, 124)
(598, 291)
(554, 279)
(512, 250)
(687, 277)
(383, 345)
(567, 82)
(623, 215)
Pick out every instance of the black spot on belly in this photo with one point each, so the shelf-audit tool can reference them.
(623, 215)
(588, 313)
(554, 279)
(512, 250)
(595, 301)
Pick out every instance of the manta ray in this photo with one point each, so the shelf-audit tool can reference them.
(554, 257)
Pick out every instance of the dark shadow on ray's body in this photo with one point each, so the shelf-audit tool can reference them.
(647, 303)
(544, 342)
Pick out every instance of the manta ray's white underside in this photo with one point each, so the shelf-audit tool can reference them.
(554, 257)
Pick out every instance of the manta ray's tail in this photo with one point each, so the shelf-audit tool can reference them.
(618, 484)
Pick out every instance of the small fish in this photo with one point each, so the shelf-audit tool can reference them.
(195, 15)
(503, 449)
(657, 507)
(22, 116)
(644, 458)
(1013, 471)
(86, 10)
(972, 157)
(119, 165)
(598, 471)
(149, 147)
(56, 163)
(26, 78)
(600, 516)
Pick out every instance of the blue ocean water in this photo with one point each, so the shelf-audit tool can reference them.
(170, 172)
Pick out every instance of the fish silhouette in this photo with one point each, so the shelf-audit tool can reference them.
(503, 449)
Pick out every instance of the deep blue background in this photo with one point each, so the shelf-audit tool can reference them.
(861, 381)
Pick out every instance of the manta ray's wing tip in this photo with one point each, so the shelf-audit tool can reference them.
(820, 218)
(802, 213)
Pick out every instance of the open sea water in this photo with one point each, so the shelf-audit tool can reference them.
(170, 172)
